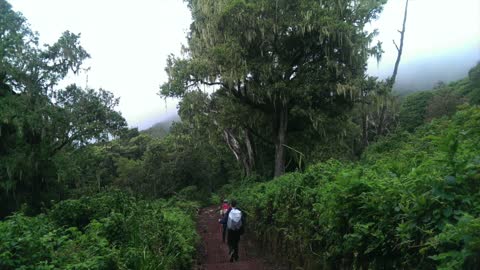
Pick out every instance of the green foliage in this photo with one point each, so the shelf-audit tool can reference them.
(106, 231)
(424, 106)
(215, 199)
(36, 243)
(470, 87)
(411, 202)
(146, 166)
(443, 103)
(159, 130)
(413, 109)
(41, 125)
(459, 244)
(276, 66)
(191, 193)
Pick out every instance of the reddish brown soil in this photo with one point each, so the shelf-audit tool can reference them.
(214, 253)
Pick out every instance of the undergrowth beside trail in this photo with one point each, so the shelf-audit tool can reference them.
(412, 202)
(107, 231)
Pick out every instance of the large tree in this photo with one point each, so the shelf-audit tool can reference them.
(282, 58)
(38, 121)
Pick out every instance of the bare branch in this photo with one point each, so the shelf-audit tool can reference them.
(394, 43)
(400, 49)
(212, 83)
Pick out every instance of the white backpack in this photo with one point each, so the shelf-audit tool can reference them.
(234, 221)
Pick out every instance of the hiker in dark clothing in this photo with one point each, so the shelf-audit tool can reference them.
(224, 210)
(235, 221)
(233, 240)
(223, 221)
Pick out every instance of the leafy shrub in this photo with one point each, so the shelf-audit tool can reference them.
(166, 233)
(215, 199)
(35, 243)
(443, 104)
(107, 231)
(459, 244)
(192, 194)
(413, 109)
(411, 202)
(79, 212)
(443, 100)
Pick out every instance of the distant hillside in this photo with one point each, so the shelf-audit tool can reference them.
(158, 130)
(443, 100)
(161, 129)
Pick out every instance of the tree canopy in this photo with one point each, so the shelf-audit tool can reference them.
(283, 59)
(38, 120)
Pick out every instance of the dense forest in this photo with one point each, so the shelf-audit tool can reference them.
(334, 169)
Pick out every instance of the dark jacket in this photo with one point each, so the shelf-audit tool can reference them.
(225, 217)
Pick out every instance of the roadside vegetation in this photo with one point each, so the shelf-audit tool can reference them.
(334, 169)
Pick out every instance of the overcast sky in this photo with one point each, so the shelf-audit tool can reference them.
(129, 42)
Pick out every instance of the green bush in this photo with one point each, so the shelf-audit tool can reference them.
(79, 212)
(35, 243)
(421, 107)
(413, 201)
(413, 110)
(107, 231)
(458, 245)
(192, 194)
(215, 199)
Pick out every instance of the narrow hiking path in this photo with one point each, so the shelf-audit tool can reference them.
(214, 254)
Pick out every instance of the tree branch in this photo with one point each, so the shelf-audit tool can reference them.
(400, 50)
(258, 135)
(212, 83)
(394, 43)
(246, 100)
(63, 144)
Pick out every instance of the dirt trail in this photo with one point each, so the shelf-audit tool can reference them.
(214, 253)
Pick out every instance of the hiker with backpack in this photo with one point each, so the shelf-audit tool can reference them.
(235, 221)
(224, 208)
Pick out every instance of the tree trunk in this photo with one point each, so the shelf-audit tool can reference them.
(243, 153)
(381, 125)
(364, 129)
(399, 49)
(155, 188)
(281, 121)
(250, 150)
(381, 120)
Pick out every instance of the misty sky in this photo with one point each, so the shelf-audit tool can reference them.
(129, 42)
